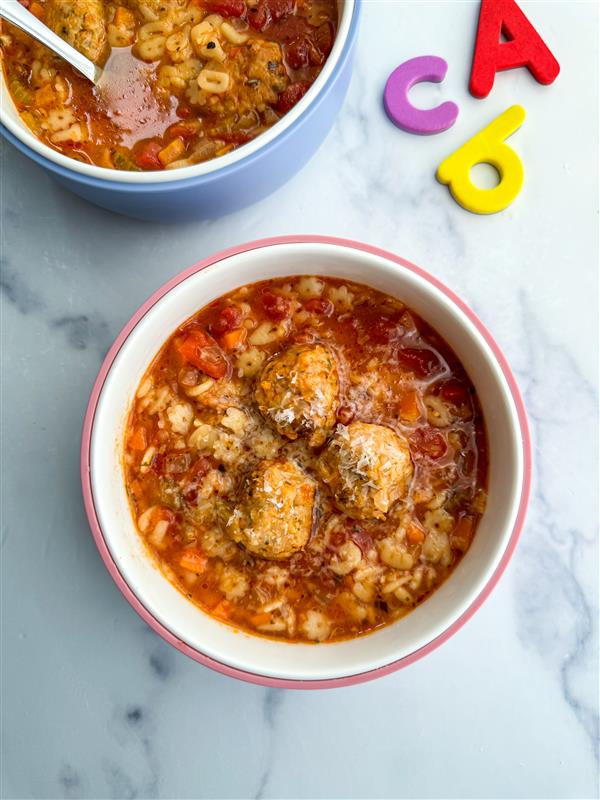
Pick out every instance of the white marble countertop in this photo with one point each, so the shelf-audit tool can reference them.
(96, 705)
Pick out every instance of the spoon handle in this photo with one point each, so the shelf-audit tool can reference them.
(12, 11)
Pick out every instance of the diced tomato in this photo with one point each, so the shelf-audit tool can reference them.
(318, 305)
(147, 157)
(428, 442)
(275, 306)
(323, 38)
(293, 27)
(454, 391)
(177, 463)
(280, 9)
(227, 8)
(201, 350)
(337, 537)
(183, 130)
(297, 53)
(362, 539)
(259, 17)
(201, 467)
(235, 137)
(384, 331)
(268, 11)
(198, 470)
(345, 415)
(421, 361)
(292, 95)
(305, 336)
(229, 318)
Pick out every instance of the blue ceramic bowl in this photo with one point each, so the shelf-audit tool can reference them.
(219, 186)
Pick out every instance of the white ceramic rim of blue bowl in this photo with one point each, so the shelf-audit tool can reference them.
(10, 119)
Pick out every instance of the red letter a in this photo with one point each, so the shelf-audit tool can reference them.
(524, 47)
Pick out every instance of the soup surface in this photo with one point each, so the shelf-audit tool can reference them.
(187, 80)
(306, 459)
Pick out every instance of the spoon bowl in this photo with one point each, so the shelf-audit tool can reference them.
(12, 11)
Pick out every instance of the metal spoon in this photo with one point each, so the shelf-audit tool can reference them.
(12, 11)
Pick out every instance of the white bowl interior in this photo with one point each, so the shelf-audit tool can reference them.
(255, 654)
(10, 118)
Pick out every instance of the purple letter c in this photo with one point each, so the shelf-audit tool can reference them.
(399, 108)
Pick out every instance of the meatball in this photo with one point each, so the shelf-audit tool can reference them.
(298, 392)
(154, 10)
(82, 24)
(368, 468)
(274, 518)
(257, 76)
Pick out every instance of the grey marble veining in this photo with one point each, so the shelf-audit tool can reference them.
(94, 704)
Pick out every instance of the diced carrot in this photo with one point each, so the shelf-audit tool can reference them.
(105, 159)
(184, 130)
(233, 339)
(46, 96)
(223, 610)
(174, 150)
(408, 407)
(193, 560)
(124, 18)
(37, 9)
(138, 439)
(260, 619)
(201, 350)
(414, 534)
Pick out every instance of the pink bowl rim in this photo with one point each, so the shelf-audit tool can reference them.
(164, 632)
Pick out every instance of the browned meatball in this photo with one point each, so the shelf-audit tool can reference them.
(298, 392)
(82, 24)
(275, 515)
(154, 10)
(256, 77)
(368, 468)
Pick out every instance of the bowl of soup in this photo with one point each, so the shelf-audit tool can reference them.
(305, 462)
(204, 107)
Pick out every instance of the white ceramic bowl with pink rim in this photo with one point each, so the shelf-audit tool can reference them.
(267, 661)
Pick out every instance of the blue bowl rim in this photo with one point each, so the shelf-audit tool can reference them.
(217, 174)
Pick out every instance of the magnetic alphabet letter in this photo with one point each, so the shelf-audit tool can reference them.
(399, 108)
(486, 147)
(524, 48)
